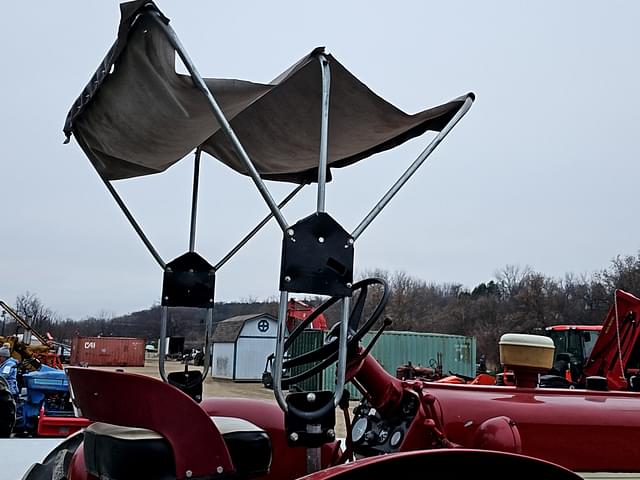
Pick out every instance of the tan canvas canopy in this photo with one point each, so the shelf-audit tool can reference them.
(138, 116)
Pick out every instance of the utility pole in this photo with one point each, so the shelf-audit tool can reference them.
(4, 315)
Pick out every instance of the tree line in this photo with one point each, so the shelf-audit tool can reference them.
(516, 299)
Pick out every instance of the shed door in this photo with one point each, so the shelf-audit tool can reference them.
(251, 357)
(222, 364)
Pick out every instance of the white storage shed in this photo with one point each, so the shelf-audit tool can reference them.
(241, 346)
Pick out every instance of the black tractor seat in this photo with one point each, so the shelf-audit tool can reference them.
(114, 452)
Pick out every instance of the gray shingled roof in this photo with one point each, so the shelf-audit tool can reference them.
(228, 331)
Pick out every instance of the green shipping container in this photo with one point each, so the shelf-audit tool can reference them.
(307, 341)
(398, 348)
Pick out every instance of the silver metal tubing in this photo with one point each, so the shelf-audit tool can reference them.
(257, 228)
(207, 344)
(278, 361)
(134, 224)
(324, 133)
(314, 455)
(276, 371)
(162, 346)
(194, 200)
(412, 169)
(342, 350)
(224, 124)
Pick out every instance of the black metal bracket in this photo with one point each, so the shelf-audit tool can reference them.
(317, 257)
(189, 281)
(299, 433)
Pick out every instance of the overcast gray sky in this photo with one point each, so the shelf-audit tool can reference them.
(543, 171)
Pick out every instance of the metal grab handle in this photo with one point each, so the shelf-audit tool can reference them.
(162, 345)
(279, 360)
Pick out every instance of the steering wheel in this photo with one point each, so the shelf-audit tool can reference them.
(328, 353)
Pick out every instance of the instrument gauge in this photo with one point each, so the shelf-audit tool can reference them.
(396, 439)
(359, 428)
(409, 406)
(383, 435)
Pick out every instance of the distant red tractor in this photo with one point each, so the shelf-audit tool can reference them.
(574, 344)
(298, 311)
(610, 350)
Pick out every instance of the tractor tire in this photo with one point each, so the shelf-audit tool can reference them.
(7, 410)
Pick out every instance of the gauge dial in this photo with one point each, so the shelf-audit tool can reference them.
(360, 427)
(409, 406)
(383, 435)
(396, 439)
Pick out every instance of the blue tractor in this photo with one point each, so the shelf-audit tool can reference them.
(43, 407)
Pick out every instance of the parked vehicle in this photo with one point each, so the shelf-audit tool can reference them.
(610, 350)
(42, 409)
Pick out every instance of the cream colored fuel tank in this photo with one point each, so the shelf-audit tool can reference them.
(529, 351)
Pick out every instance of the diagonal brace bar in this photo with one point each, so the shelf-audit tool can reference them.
(412, 169)
(255, 230)
(133, 223)
(194, 200)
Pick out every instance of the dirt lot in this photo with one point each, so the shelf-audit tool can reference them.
(222, 388)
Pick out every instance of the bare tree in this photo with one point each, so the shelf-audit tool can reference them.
(511, 278)
(29, 307)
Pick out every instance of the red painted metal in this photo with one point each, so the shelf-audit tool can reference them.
(581, 430)
(463, 463)
(287, 463)
(77, 470)
(107, 352)
(49, 359)
(140, 401)
(578, 429)
(297, 311)
(59, 426)
(616, 351)
(561, 328)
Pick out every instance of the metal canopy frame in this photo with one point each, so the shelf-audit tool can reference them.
(164, 313)
(276, 211)
(321, 196)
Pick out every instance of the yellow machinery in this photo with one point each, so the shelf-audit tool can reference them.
(32, 355)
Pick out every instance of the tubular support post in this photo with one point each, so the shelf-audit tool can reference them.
(324, 133)
(279, 357)
(257, 228)
(412, 169)
(194, 200)
(342, 350)
(222, 121)
(207, 345)
(314, 455)
(134, 224)
(162, 345)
